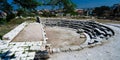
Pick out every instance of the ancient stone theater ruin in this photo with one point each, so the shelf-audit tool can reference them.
(37, 40)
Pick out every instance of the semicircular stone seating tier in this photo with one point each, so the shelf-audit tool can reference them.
(93, 29)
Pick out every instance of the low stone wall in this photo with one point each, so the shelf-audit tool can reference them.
(12, 34)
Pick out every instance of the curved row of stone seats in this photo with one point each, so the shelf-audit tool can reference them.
(103, 29)
(93, 29)
(109, 29)
(91, 33)
(74, 25)
(86, 28)
(103, 32)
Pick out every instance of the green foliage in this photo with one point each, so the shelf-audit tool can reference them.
(115, 10)
(27, 4)
(100, 11)
(107, 12)
(74, 13)
(5, 6)
(4, 29)
(25, 13)
(10, 16)
(20, 12)
(69, 6)
(2, 21)
(12, 24)
(47, 14)
(66, 5)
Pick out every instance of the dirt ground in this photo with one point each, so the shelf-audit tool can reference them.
(107, 21)
(32, 32)
(110, 50)
(60, 37)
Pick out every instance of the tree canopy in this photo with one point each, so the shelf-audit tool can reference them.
(116, 10)
(100, 11)
(27, 4)
(66, 5)
(5, 6)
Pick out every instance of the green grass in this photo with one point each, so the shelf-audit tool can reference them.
(4, 29)
(107, 21)
(102, 20)
(11, 25)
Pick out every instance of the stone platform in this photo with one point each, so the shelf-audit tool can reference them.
(32, 32)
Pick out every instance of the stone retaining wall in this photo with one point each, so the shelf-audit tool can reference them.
(12, 34)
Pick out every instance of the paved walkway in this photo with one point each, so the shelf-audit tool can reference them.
(32, 32)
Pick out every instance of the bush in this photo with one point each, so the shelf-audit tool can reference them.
(0, 36)
(10, 16)
(74, 13)
(2, 21)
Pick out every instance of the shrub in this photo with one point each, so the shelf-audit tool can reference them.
(10, 16)
(2, 21)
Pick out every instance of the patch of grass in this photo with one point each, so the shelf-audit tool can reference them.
(5, 29)
(11, 25)
(73, 43)
(20, 20)
(107, 21)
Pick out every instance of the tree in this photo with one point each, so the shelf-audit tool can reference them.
(20, 12)
(69, 6)
(27, 4)
(101, 11)
(5, 6)
(116, 10)
(66, 5)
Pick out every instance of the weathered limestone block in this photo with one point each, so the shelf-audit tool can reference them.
(56, 50)
(10, 35)
(75, 48)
